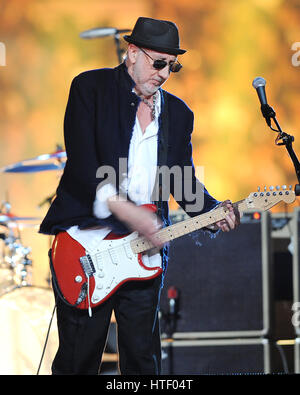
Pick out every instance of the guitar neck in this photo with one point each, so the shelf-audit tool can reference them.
(141, 244)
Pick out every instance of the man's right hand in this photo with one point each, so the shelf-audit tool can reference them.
(137, 218)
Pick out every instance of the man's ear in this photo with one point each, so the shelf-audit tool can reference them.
(132, 53)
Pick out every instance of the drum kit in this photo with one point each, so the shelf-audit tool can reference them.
(25, 310)
(15, 261)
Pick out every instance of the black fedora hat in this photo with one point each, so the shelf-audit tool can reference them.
(159, 35)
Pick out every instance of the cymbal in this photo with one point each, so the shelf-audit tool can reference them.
(13, 218)
(102, 32)
(44, 162)
(21, 225)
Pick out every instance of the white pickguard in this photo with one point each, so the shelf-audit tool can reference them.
(115, 262)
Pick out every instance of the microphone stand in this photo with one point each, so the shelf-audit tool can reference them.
(287, 141)
(120, 51)
(104, 32)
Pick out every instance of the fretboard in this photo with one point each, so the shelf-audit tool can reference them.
(141, 244)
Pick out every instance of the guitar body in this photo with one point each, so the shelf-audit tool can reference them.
(87, 280)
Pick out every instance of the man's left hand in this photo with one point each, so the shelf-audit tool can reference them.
(232, 219)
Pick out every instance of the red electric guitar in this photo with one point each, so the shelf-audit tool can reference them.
(87, 279)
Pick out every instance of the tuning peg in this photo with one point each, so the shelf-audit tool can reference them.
(283, 186)
(265, 188)
(290, 187)
(271, 188)
(258, 189)
(277, 187)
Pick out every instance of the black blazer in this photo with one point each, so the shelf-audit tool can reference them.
(98, 124)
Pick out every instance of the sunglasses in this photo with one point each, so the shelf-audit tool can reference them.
(160, 64)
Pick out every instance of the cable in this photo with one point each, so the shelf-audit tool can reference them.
(283, 358)
(46, 341)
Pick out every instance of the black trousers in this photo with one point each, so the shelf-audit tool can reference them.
(82, 338)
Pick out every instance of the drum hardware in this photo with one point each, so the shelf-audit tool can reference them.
(22, 267)
(53, 161)
(104, 32)
(16, 259)
(15, 256)
(47, 200)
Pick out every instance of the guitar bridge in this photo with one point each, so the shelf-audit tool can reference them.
(87, 265)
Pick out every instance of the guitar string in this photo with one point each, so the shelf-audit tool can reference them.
(212, 216)
(174, 230)
(166, 231)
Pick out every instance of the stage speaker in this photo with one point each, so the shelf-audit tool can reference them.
(296, 271)
(216, 356)
(219, 287)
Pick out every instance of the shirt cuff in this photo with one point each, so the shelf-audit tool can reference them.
(100, 207)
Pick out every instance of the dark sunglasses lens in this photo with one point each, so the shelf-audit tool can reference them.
(159, 64)
(175, 67)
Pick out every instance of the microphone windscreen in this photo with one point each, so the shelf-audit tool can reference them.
(258, 81)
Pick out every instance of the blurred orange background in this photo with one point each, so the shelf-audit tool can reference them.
(229, 43)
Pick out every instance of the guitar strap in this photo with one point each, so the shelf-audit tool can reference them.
(162, 152)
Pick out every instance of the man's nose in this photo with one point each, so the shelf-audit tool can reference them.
(165, 72)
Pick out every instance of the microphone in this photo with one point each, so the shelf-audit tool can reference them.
(259, 84)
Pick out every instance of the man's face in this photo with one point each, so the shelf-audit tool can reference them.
(147, 78)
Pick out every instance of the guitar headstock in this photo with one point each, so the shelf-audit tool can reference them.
(267, 198)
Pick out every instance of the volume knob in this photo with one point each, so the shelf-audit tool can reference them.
(78, 279)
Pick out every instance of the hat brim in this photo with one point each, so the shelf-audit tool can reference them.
(145, 44)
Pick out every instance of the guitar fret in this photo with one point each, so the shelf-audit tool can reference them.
(200, 221)
(174, 231)
(192, 224)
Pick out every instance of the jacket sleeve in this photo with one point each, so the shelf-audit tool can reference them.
(79, 135)
(81, 178)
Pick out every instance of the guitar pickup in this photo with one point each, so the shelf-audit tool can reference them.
(87, 265)
(99, 260)
(113, 256)
(128, 250)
